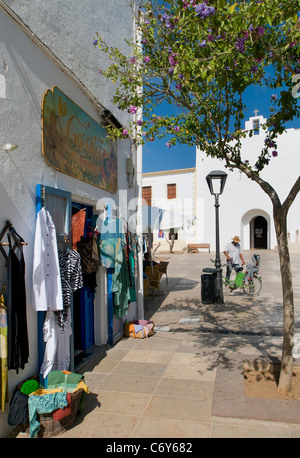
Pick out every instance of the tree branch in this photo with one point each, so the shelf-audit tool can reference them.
(291, 196)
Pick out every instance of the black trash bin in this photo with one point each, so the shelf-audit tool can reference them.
(208, 286)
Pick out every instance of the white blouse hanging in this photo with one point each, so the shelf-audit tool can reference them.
(57, 350)
(47, 289)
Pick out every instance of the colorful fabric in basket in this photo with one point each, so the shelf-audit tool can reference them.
(62, 413)
(55, 398)
(44, 404)
(68, 381)
(139, 328)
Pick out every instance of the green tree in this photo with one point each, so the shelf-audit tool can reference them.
(201, 57)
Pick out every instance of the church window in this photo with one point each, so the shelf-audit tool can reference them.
(256, 126)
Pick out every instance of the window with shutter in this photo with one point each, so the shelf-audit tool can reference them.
(171, 191)
(147, 194)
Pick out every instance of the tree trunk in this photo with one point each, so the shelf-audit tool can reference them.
(285, 379)
(280, 212)
(171, 244)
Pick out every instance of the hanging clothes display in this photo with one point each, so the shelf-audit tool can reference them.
(121, 289)
(112, 255)
(134, 249)
(57, 326)
(18, 347)
(88, 250)
(120, 252)
(112, 242)
(47, 291)
(3, 355)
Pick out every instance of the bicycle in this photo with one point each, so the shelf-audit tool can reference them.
(249, 281)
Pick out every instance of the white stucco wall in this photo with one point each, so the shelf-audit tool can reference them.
(243, 199)
(69, 28)
(27, 71)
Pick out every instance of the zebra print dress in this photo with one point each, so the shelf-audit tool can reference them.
(71, 280)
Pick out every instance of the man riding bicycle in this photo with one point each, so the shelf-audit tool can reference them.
(234, 255)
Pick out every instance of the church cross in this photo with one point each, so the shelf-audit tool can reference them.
(256, 111)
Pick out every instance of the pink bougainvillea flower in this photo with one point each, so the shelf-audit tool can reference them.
(132, 109)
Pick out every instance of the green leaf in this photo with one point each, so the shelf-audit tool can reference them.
(232, 8)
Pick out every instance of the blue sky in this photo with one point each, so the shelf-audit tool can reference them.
(156, 156)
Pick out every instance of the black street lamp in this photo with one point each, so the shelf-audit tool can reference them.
(216, 182)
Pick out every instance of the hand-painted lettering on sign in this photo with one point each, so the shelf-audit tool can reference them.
(75, 144)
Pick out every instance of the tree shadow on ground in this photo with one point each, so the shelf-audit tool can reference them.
(235, 327)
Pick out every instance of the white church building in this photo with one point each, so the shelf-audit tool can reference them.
(245, 209)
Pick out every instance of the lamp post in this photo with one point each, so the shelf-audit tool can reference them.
(216, 182)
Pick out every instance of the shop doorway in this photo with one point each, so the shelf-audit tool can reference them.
(260, 233)
(84, 298)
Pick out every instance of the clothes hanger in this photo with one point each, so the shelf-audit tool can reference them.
(17, 238)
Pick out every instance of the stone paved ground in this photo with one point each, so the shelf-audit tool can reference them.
(170, 385)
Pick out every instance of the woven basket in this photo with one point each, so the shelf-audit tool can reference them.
(48, 426)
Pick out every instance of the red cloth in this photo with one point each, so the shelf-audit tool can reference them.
(61, 413)
(78, 222)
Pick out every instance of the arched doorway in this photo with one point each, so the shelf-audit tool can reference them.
(259, 228)
(258, 216)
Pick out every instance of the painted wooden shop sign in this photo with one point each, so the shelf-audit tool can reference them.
(75, 144)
